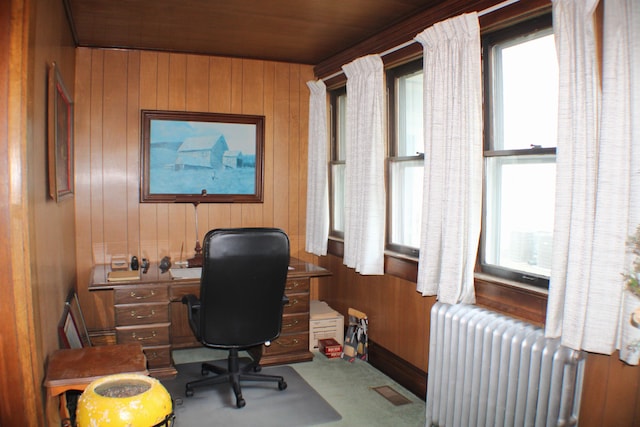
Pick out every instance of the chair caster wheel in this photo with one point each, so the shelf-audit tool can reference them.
(241, 403)
(257, 368)
(189, 393)
(282, 385)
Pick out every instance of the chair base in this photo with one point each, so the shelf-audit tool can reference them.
(233, 374)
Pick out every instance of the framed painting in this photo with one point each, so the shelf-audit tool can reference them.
(189, 157)
(59, 136)
(72, 331)
(68, 332)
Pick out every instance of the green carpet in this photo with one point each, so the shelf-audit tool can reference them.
(298, 405)
(347, 387)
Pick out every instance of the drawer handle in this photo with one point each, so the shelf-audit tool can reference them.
(135, 337)
(294, 342)
(151, 355)
(292, 302)
(152, 293)
(140, 316)
(295, 285)
(291, 324)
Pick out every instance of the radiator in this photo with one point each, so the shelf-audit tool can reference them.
(486, 369)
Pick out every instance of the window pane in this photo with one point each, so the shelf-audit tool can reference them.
(526, 92)
(406, 202)
(409, 124)
(337, 165)
(341, 136)
(337, 173)
(520, 211)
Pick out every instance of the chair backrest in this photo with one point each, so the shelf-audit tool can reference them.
(243, 279)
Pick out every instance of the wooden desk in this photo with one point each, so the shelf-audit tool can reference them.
(75, 369)
(149, 311)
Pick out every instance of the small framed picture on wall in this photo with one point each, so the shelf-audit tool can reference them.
(59, 136)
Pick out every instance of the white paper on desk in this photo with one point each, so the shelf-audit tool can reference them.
(186, 273)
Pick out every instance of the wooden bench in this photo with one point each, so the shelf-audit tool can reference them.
(76, 368)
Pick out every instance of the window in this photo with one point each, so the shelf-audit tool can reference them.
(406, 157)
(338, 99)
(521, 82)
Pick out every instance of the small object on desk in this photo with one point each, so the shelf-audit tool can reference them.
(119, 262)
(186, 273)
(196, 261)
(134, 263)
(181, 264)
(145, 265)
(165, 264)
(123, 276)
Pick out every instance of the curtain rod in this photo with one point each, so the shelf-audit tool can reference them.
(410, 42)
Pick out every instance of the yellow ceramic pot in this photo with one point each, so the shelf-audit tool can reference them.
(125, 400)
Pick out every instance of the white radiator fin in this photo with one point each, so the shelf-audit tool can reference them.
(486, 369)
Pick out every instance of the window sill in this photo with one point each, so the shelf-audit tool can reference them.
(515, 299)
(512, 298)
(511, 283)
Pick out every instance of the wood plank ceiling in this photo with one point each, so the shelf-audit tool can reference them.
(298, 31)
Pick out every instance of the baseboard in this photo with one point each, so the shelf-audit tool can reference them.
(401, 371)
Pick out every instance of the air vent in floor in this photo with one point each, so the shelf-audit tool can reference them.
(391, 395)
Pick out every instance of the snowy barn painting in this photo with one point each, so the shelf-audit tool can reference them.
(202, 151)
(190, 154)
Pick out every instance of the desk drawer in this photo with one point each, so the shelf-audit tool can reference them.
(141, 314)
(139, 294)
(288, 344)
(298, 303)
(296, 285)
(178, 291)
(158, 357)
(150, 335)
(294, 323)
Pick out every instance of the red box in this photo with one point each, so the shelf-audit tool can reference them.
(333, 355)
(330, 347)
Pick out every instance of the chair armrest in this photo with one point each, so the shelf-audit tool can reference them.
(191, 301)
(193, 312)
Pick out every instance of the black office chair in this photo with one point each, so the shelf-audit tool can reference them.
(241, 301)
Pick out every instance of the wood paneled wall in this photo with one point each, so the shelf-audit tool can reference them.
(112, 86)
(398, 315)
(611, 392)
(38, 235)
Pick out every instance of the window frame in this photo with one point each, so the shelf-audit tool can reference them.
(334, 159)
(392, 74)
(521, 29)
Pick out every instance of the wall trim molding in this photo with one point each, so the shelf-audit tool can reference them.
(401, 371)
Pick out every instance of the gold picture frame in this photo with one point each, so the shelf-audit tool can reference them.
(59, 136)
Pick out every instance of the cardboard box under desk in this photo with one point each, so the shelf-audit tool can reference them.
(325, 323)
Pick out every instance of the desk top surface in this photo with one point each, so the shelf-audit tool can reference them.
(99, 275)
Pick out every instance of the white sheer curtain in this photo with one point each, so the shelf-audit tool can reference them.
(452, 201)
(317, 232)
(364, 166)
(597, 188)
(630, 12)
